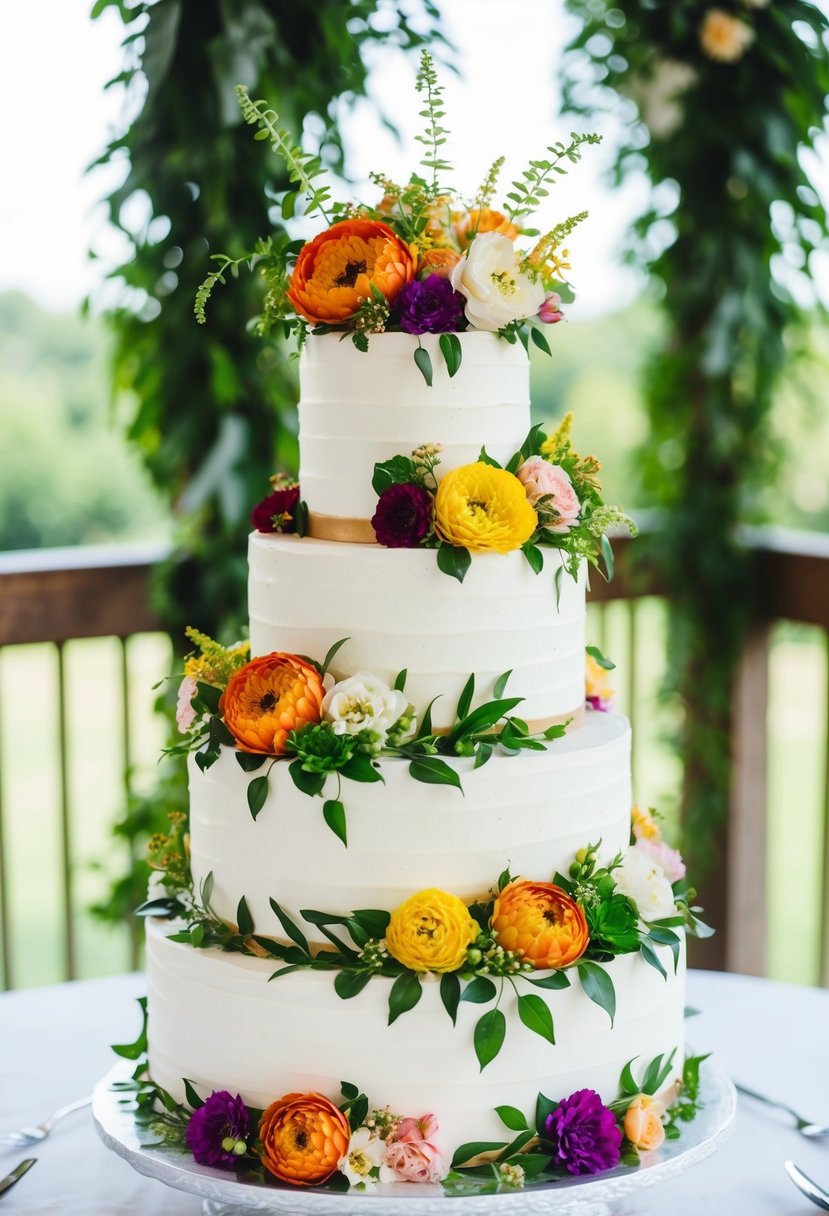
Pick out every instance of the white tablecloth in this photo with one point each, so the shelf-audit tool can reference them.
(54, 1046)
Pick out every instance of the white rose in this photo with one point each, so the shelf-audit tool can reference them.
(643, 879)
(497, 291)
(365, 1153)
(362, 702)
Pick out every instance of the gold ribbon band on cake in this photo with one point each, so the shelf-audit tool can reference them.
(344, 528)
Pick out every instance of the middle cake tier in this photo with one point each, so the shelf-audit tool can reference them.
(399, 611)
(532, 811)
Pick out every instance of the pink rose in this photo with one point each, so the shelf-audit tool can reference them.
(550, 482)
(550, 311)
(414, 1161)
(185, 713)
(669, 859)
(410, 1131)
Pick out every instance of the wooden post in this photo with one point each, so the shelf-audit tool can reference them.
(746, 927)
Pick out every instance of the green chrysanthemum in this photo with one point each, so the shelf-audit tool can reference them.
(319, 749)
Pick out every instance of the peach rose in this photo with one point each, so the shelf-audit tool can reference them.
(415, 1161)
(485, 220)
(437, 261)
(541, 922)
(723, 37)
(410, 1131)
(643, 1122)
(268, 698)
(544, 480)
(334, 273)
(303, 1136)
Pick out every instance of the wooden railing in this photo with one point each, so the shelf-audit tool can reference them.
(53, 596)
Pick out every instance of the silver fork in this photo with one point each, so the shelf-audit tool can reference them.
(813, 1131)
(33, 1135)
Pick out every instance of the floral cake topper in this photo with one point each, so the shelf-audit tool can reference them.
(421, 258)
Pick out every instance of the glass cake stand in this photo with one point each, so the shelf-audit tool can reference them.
(226, 1195)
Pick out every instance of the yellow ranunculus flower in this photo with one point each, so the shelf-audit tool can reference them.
(431, 931)
(480, 507)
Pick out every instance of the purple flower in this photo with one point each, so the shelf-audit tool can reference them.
(403, 516)
(430, 306)
(584, 1134)
(216, 1128)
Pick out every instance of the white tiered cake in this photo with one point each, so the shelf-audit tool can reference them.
(213, 1016)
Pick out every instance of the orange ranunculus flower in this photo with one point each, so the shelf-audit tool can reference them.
(303, 1137)
(334, 272)
(268, 698)
(643, 1122)
(541, 922)
(437, 261)
(483, 220)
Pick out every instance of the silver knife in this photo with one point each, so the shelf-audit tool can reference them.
(16, 1174)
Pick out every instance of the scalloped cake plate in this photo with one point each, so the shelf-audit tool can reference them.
(225, 1195)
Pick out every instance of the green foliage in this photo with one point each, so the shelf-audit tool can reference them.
(721, 143)
(212, 412)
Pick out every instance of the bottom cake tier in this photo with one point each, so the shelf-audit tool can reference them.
(215, 1019)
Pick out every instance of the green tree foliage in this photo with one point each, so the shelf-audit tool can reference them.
(724, 113)
(214, 406)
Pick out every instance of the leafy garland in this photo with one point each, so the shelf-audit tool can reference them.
(704, 83)
(477, 733)
(585, 539)
(487, 970)
(477, 1167)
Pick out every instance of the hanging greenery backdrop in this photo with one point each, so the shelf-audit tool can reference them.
(717, 105)
(214, 406)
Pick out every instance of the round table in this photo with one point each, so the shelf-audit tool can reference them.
(54, 1045)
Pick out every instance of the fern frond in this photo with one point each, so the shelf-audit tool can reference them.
(303, 168)
(527, 193)
(435, 135)
(205, 289)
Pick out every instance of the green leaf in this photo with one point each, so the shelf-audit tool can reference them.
(479, 991)
(400, 682)
(609, 561)
(627, 1081)
(206, 759)
(332, 654)
(301, 518)
(517, 1144)
(291, 930)
(349, 1091)
(489, 1036)
(465, 699)
(512, 1118)
(399, 470)
(307, 783)
(598, 985)
(483, 717)
(249, 762)
(257, 793)
(453, 560)
(483, 752)
(557, 580)
(134, 1051)
(534, 557)
(601, 659)
(536, 1016)
(206, 888)
(424, 364)
(333, 812)
(191, 1097)
(360, 768)
(243, 917)
(348, 983)
(500, 685)
(450, 994)
(666, 937)
(540, 341)
(657, 1072)
(555, 981)
(209, 695)
(467, 1152)
(544, 1107)
(405, 993)
(197, 935)
(374, 921)
(433, 771)
(426, 721)
(652, 958)
(485, 458)
(450, 346)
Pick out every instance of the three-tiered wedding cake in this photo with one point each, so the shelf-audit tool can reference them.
(526, 811)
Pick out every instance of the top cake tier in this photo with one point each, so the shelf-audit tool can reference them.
(356, 409)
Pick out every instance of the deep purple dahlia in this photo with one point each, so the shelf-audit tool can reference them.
(403, 516)
(221, 1120)
(429, 306)
(585, 1136)
(275, 513)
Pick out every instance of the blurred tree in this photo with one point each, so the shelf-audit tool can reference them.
(213, 407)
(717, 107)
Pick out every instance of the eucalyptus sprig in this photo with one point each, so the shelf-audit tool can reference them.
(304, 168)
(532, 187)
